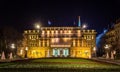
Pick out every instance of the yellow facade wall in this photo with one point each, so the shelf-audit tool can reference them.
(42, 52)
(21, 52)
(80, 52)
(37, 52)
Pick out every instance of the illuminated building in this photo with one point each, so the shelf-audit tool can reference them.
(113, 39)
(110, 41)
(58, 42)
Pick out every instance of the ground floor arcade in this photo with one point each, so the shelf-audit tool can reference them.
(44, 52)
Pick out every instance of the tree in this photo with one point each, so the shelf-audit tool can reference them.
(8, 36)
(2, 43)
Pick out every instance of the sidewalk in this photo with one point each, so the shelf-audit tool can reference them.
(10, 60)
(112, 61)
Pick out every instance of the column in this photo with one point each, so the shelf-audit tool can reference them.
(48, 53)
(107, 55)
(58, 52)
(53, 52)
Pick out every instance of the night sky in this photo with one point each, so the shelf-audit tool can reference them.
(21, 14)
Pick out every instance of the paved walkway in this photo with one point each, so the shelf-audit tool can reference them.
(9, 60)
(112, 61)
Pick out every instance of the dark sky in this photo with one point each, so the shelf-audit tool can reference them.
(22, 14)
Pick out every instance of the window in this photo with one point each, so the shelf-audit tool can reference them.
(30, 37)
(92, 37)
(52, 32)
(73, 43)
(43, 33)
(84, 37)
(48, 33)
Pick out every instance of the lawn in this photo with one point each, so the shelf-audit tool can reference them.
(59, 65)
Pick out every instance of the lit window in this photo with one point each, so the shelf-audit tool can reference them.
(48, 43)
(25, 31)
(56, 40)
(61, 32)
(52, 32)
(21, 52)
(65, 31)
(43, 33)
(56, 32)
(52, 40)
(92, 37)
(66, 39)
(69, 31)
(48, 33)
(30, 37)
(78, 32)
(73, 43)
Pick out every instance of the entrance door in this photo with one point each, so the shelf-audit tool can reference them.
(60, 52)
(66, 52)
(55, 52)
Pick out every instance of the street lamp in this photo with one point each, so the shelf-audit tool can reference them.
(84, 26)
(107, 48)
(94, 49)
(26, 49)
(37, 25)
(13, 47)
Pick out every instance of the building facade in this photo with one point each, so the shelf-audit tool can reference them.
(58, 42)
(110, 41)
(117, 33)
(113, 39)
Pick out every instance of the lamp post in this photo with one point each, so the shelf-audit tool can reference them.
(26, 49)
(13, 47)
(37, 25)
(107, 53)
(84, 26)
(94, 49)
(38, 28)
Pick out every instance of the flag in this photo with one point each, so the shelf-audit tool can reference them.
(79, 22)
(49, 22)
(74, 22)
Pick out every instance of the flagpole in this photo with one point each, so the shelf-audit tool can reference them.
(79, 22)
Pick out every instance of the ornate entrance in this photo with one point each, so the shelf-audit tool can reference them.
(60, 52)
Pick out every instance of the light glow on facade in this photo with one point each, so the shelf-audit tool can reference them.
(60, 42)
(21, 52)
(13, 46)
